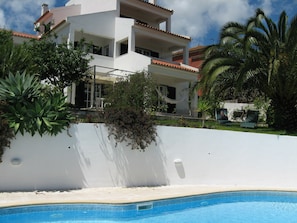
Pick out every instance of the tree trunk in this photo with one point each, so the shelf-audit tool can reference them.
(284, 114)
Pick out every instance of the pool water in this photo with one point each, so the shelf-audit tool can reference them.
(228, 207)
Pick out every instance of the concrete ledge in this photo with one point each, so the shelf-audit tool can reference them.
(117, 195)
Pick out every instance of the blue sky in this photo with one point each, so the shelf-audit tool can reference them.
(199, 19)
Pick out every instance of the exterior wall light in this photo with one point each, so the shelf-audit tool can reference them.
(179, 168)
(15, 161)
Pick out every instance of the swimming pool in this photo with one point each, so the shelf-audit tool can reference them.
(227, 207)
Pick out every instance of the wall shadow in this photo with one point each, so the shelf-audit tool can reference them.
(135, 167)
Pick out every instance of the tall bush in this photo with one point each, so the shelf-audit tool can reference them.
(128, 114)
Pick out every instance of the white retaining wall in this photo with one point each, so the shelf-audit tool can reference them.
(182, 156)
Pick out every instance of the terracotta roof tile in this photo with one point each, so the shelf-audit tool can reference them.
(160, 30)
(48, 13)
(24, 35)
(179, 66)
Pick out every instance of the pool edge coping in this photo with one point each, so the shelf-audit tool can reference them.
(115, 195)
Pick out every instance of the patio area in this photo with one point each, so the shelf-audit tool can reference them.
(117, 195)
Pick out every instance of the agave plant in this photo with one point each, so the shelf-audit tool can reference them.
(50, 114)
(29, 107)
(19, 88)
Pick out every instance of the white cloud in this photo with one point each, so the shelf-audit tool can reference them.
(20, 15)
(2, 19)
(203, 19)
(266, 6)
(197, 18)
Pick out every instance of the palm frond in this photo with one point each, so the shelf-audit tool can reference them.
(282, 26)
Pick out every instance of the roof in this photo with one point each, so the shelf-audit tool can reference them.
(46, 14)
(179, 66)
(24, 35)
(58, 25)
(169, 10)
(160, 30)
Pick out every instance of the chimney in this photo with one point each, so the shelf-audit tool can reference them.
(153, 2)
(44, 8)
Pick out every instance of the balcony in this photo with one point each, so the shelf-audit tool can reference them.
(158, 43)
(145, 12)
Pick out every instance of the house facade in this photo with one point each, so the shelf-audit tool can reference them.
(196, 58)
(124, 37)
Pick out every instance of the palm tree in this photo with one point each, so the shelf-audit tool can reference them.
(261, 55)
(204, 106)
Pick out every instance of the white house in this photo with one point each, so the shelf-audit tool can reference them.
(124, 37)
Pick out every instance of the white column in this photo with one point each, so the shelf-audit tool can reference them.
(73, 93)
(168, 25)
(70, 39)
(131, 42)
(112, 49)
(92, 94)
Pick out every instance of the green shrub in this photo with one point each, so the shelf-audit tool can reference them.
(127, 116)
(131, 125)
(6, 134)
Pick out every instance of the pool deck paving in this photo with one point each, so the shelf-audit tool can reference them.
(116, 195)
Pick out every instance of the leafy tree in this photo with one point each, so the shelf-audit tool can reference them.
(137, 91)
(13, 57)
(260, 55)
(58, 64)
(127, 116)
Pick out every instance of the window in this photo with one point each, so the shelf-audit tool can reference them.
(99, 93)
(124, 48)
(90, 48)
(105, 50)
(97, 50)
(146, 52)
